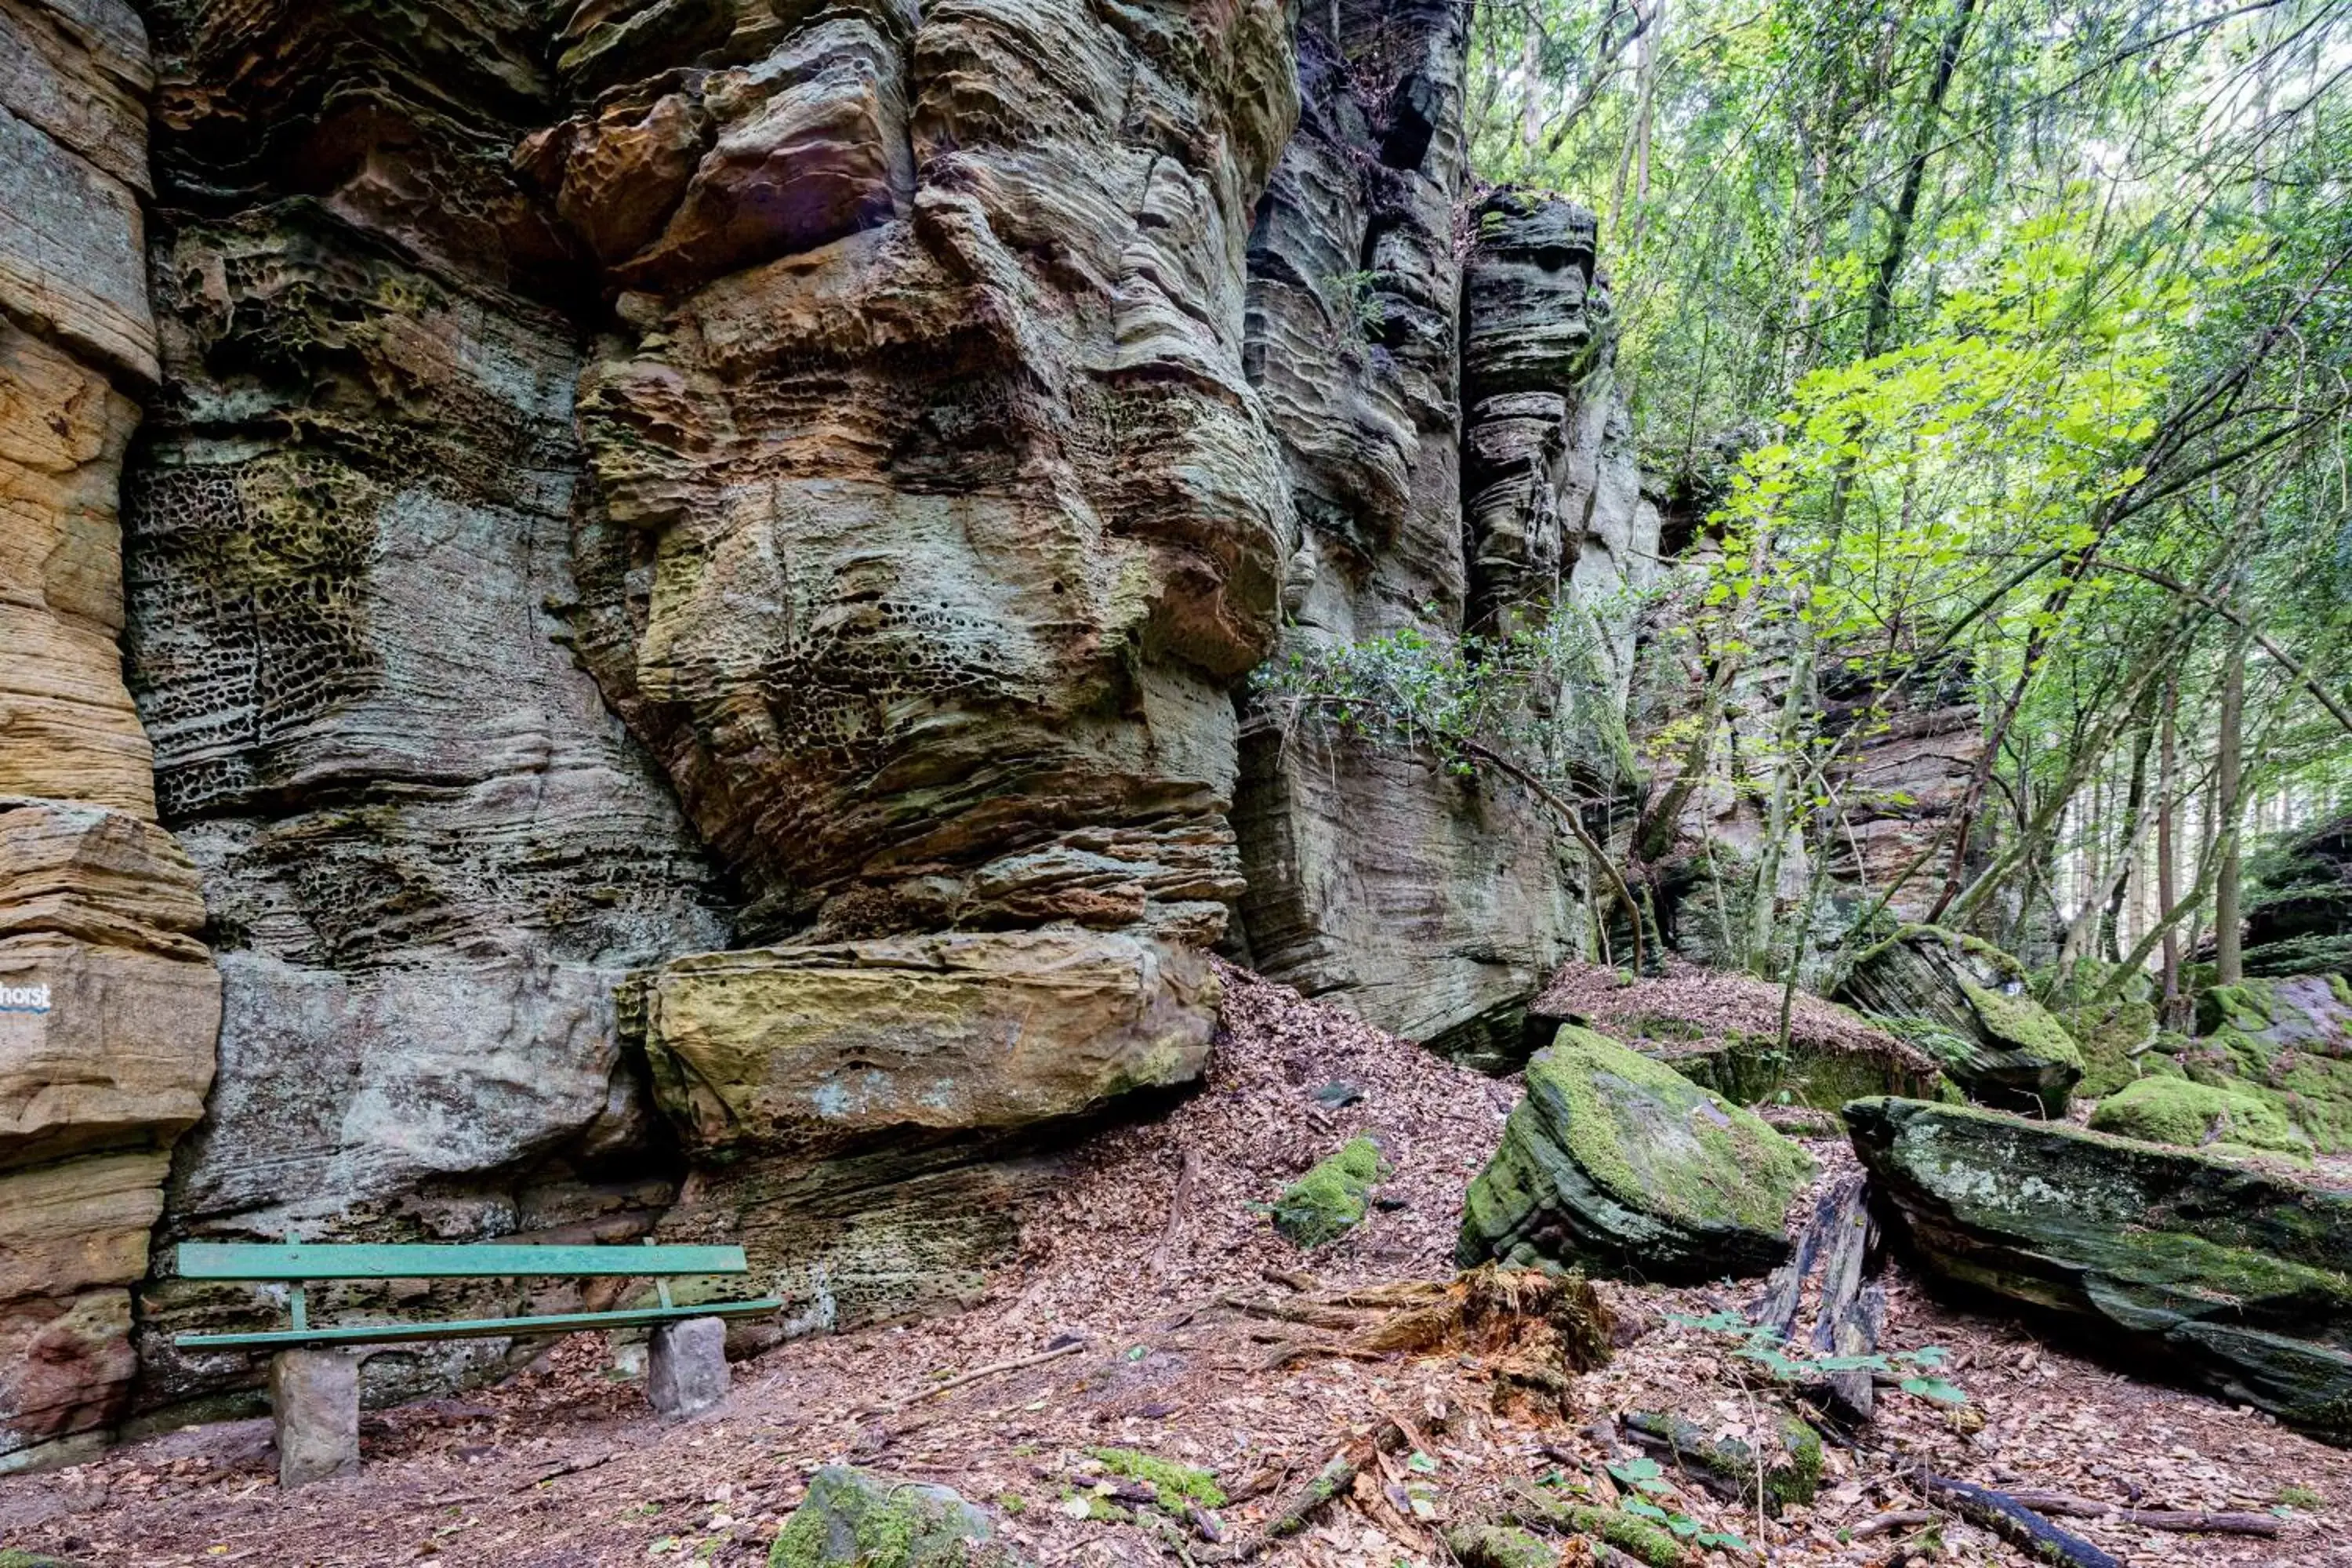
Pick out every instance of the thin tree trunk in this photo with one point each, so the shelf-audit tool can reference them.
(2135, 810)
(2228, 962)
(1778, 827)
(1915, 177)
(2168, 865)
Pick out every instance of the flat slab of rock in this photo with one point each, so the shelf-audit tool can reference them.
(818, 1049)
(1722, 1030)
(2177, 1266)
(1622, 1166)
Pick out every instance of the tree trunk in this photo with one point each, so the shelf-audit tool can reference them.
(2167, 864)
(2135, 803)
(1915, 176)
(2229, 962)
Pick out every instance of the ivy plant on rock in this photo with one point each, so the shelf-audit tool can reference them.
(1618, 1165)
(2235, 1280)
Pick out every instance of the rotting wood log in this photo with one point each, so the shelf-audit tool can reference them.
(1855, 1331)
(2015, 1523)
(2182, 1521)
(1848, 1248)
(1901, 1518)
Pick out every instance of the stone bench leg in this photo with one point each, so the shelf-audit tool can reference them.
(314, 1409)
(686, 1370)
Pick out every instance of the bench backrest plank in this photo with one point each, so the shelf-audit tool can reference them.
(344, 1260)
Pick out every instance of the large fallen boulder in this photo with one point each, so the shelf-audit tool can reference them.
(1618, 1165)
(852, 1044)
(2185, 1268)
(1722, 1030)
(1963, 1001)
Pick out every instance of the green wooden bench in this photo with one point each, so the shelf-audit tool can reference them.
(314, 1379)
(297, 1264)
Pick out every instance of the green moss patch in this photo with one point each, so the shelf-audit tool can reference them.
(1329, 1200)
(1791, 1475)
(2192, 1115)
(1173, 1485)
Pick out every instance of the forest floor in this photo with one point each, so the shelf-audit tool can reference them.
(1132, 1272)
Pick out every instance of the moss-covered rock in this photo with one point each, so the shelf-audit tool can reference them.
(2107, 1035)
(2287, 1041)
(1618, 1163)
(1722, 1031)
(2235, 1280)
(1964, 1002)
(1328, 1201)
(855, 1519)
(2196, 1115)
(1792, 1467)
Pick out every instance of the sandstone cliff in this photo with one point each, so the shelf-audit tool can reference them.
(108, 1007)
(690, 574)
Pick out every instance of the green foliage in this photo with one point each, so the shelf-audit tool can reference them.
(1995, 343)
(1788, 1361)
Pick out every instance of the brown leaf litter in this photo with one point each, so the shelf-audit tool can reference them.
(1191, 1317)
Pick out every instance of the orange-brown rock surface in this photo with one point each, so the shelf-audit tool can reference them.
(108, 1004)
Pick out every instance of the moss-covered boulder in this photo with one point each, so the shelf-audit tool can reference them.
(1618, 1165)
(2232, 1278)
(2119, 1041)
(1789, 1470)
(2197, 1115)
(1722, 1031)
(1964, 1002)
(856, 1518)
(1328, 1201)
(2287, 1041)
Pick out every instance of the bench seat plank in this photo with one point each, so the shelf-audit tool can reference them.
(391, 1333)
(348, 1260)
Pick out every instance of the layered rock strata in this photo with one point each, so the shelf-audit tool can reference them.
(628, 482)
(2190, 1268)
(1420, 404)
(108, 1005)
(429, 853)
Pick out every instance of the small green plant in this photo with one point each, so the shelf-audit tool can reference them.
(1646, 1477)
(1173, 1485)
(1013, 1503)
(2301, 1496)
(1915, 1370)
(1358, 306)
